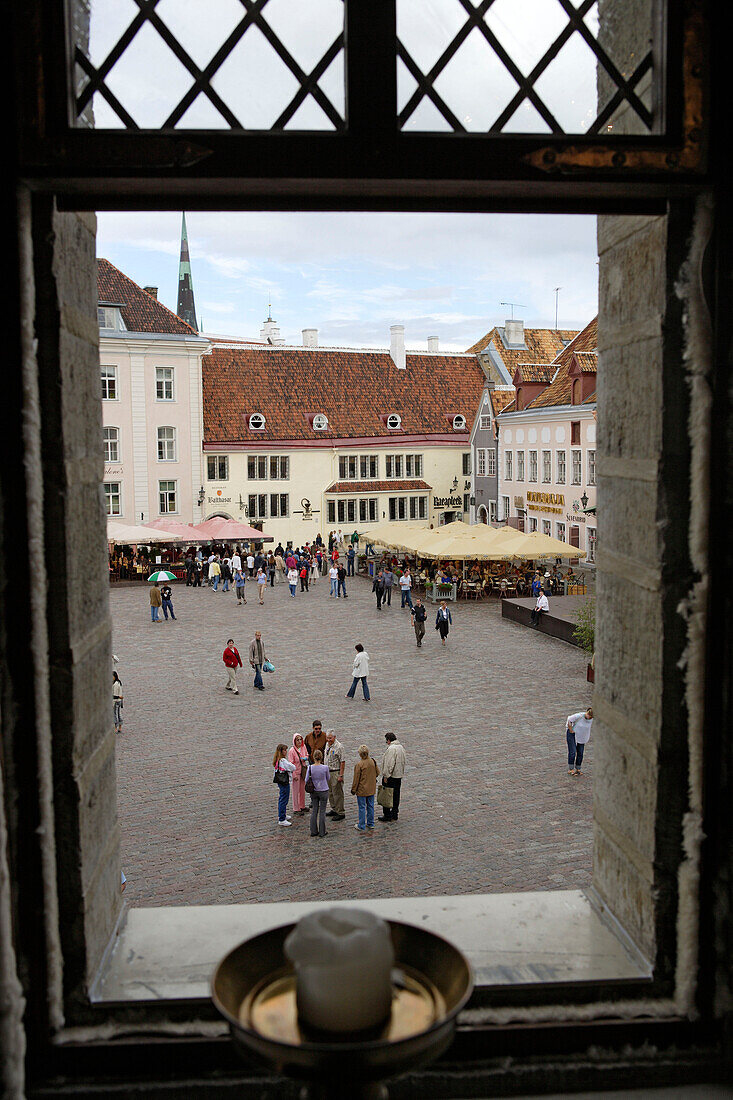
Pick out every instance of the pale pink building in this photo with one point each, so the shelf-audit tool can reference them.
(150, 363)
(547, 446)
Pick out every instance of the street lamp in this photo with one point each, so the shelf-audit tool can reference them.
(202, 494)
(455, 484)
(584, 500)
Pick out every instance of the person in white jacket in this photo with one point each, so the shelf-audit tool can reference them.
(361, 671)
(577, 731)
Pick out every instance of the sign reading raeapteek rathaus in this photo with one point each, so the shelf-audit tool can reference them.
(448, 502)
(545, 502)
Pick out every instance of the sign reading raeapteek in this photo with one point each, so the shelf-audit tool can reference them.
(447, 502)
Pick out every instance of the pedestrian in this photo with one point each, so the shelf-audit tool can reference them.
(355, 538)
(232, 661)
(251, 564)
(236, 562)
(536, 587)
(293, 580)
(419, 614)
(360, 673)
(379, 589)
(389, 580)
(318, 772)
(198, 573)
(166, 600)
(215, 574)
(117, 701)
(156, 601)
(298, 756)
(539, 608)
(547, 584)
(316, 739)
(577, 732)
(189, 569)
(350, 556)
(239, 583)
(261, 584)
(341, 582)
(335, 762)
(393, 770)
(315, 566)
(283, 770)
(405, 586)
(257, 658)
(364, 786)
(443, 621)
(303, 574)
(271, 569)
(333, 575)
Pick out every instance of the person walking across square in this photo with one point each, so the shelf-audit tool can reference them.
(239, 586)
(117, 701)
(364, 786)
(257, 658)
(333, 574)
(443, 621)
(393, 770)
(388, 584)
(261, 584)
(378, 589)
(232, 661)
(318, 772)
(335, 762)
(577, 733)
(341, 582)
(419, 614)
(405, 586)
(360, 673)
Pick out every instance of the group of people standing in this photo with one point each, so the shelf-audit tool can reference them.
(315, 765)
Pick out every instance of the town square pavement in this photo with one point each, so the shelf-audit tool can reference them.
(487, 804)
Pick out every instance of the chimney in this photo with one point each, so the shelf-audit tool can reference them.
(270, 332)
(397, 345)
(514, 331)
(310, 337)
(432, 343)
(153, 290)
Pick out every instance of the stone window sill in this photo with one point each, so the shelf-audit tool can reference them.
(510, 939)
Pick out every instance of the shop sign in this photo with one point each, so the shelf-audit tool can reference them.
(219, 499)
(519, 501)
(574, 518)
(543, 508)
(113, 471)
(448, 502)
(546, 498)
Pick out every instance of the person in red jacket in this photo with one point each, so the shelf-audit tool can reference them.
(232, 660)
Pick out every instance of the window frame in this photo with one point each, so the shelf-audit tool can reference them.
(165, 382)
(105, 442)
(167, 511)
(107, 496)
(114, 378)
(218, 459)
(168, 443)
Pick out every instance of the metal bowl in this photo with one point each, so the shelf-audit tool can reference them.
(348, 1060)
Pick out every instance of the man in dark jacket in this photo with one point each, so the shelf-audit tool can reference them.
(378, 588)
(419, 615)
(341, 586)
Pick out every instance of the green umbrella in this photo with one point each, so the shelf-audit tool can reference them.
(162, 575)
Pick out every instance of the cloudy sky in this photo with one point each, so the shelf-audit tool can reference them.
(351, 276)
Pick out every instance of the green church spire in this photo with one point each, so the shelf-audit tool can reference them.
(186, 305)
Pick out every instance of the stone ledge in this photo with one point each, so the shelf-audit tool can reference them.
(510, 939)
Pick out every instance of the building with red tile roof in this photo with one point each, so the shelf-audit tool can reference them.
(357, 435)
(547, 446)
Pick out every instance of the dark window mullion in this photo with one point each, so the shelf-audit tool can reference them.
(104, 91)
(424, 88)
(618, 98)
(371, 70)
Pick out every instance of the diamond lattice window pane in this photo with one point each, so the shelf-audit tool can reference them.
(254, 82)
(255, 64)
(568, 86)
(427, 27)
(148, 79)
(200, 37)
(406, 84)
(526, 120)
(526, 28)
(427, 117)
(475, 85)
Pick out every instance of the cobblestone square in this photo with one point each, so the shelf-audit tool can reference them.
(487, 804)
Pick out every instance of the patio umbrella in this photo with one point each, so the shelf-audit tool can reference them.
(184, 532)
(219, 529)
(162, 575)
(129, 533)
(537, 545)
(394, 534)
(463, 542)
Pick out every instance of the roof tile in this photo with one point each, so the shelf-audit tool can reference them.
(140, 311)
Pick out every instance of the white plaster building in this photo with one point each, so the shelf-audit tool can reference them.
(150, 363)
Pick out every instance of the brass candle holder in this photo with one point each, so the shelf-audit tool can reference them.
(254, 988)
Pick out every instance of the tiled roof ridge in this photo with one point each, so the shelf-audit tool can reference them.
(483, 342)
(232, 345)
(142, 290)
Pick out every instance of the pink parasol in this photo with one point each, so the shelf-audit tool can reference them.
(219, 530)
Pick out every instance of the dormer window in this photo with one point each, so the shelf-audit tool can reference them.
(394, 421)
(320, 422)
(110, 318)
(257, 422)
(459, 423)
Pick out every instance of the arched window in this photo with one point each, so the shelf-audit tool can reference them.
(166, 444)
(111, 442)
(257, 422)
(320, 422)
(394, 421)
(459, 423)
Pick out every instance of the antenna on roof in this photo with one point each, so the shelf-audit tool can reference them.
(269, 306)
(557, 291)
(519, 305)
